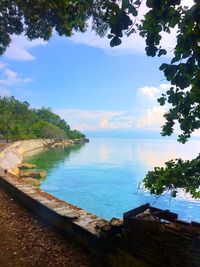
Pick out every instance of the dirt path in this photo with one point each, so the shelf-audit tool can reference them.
(25, 241)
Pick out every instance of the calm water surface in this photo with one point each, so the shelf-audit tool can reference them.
(103, 176)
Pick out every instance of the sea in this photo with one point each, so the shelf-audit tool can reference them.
(105, 176)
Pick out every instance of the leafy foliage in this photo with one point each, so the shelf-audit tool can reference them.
(19, 121)
(183, 72)
(47, 115)
(176, 174)
(38, 18)
(45, 129)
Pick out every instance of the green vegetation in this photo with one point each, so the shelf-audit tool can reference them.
(39, 18)
(183, 98)
(43, 129)
(176, 174)
(18, 121)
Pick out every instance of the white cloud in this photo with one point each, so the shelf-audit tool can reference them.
(20, 47)
(95, 120)
(154, 92)
(11, 77)
(133, 44)
(4, 92)
(152, 118)
(10, 80)
(150, 91)
(165, 86)
(147, 117)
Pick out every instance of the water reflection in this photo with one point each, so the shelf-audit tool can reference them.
(157, 153)
(144, 152)
(51, 158)
(103, 176)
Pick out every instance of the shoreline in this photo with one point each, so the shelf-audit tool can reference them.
(137, 240)
(12, 154)
(79, 225)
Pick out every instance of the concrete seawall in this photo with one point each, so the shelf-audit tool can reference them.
(75, 222)
(147, 236)
(13, 153)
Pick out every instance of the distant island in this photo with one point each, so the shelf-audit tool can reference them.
(20, 122)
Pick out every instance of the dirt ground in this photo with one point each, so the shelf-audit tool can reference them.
(26, 241)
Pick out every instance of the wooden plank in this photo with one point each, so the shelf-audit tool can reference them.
(132, 213)
(159, 213)
(164, 214)
(182, 222)
(196, 224)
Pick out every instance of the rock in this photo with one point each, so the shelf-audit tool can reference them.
(31, 181)
(24, 166)
(81, 141)
(116, 222)
(105, 226)
(33, 174)
(146, 215)
(108, 225)
(77, 142)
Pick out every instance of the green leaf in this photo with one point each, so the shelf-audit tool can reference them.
(110, 36)
(150, 3)
(125, 4)
(163, 66)
(133, 10)
(175, 59)
(137, 3)
(162, 52)
(161, 101)
(115, 41)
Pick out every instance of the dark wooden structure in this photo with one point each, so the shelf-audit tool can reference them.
(158, 237)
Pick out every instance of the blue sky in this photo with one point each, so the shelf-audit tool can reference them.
(95, 88)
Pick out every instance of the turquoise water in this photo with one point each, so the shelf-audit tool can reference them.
(103, 176)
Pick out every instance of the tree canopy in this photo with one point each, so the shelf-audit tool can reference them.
(114, 18)
(18, 121)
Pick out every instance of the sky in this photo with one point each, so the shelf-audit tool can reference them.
(95, 88)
